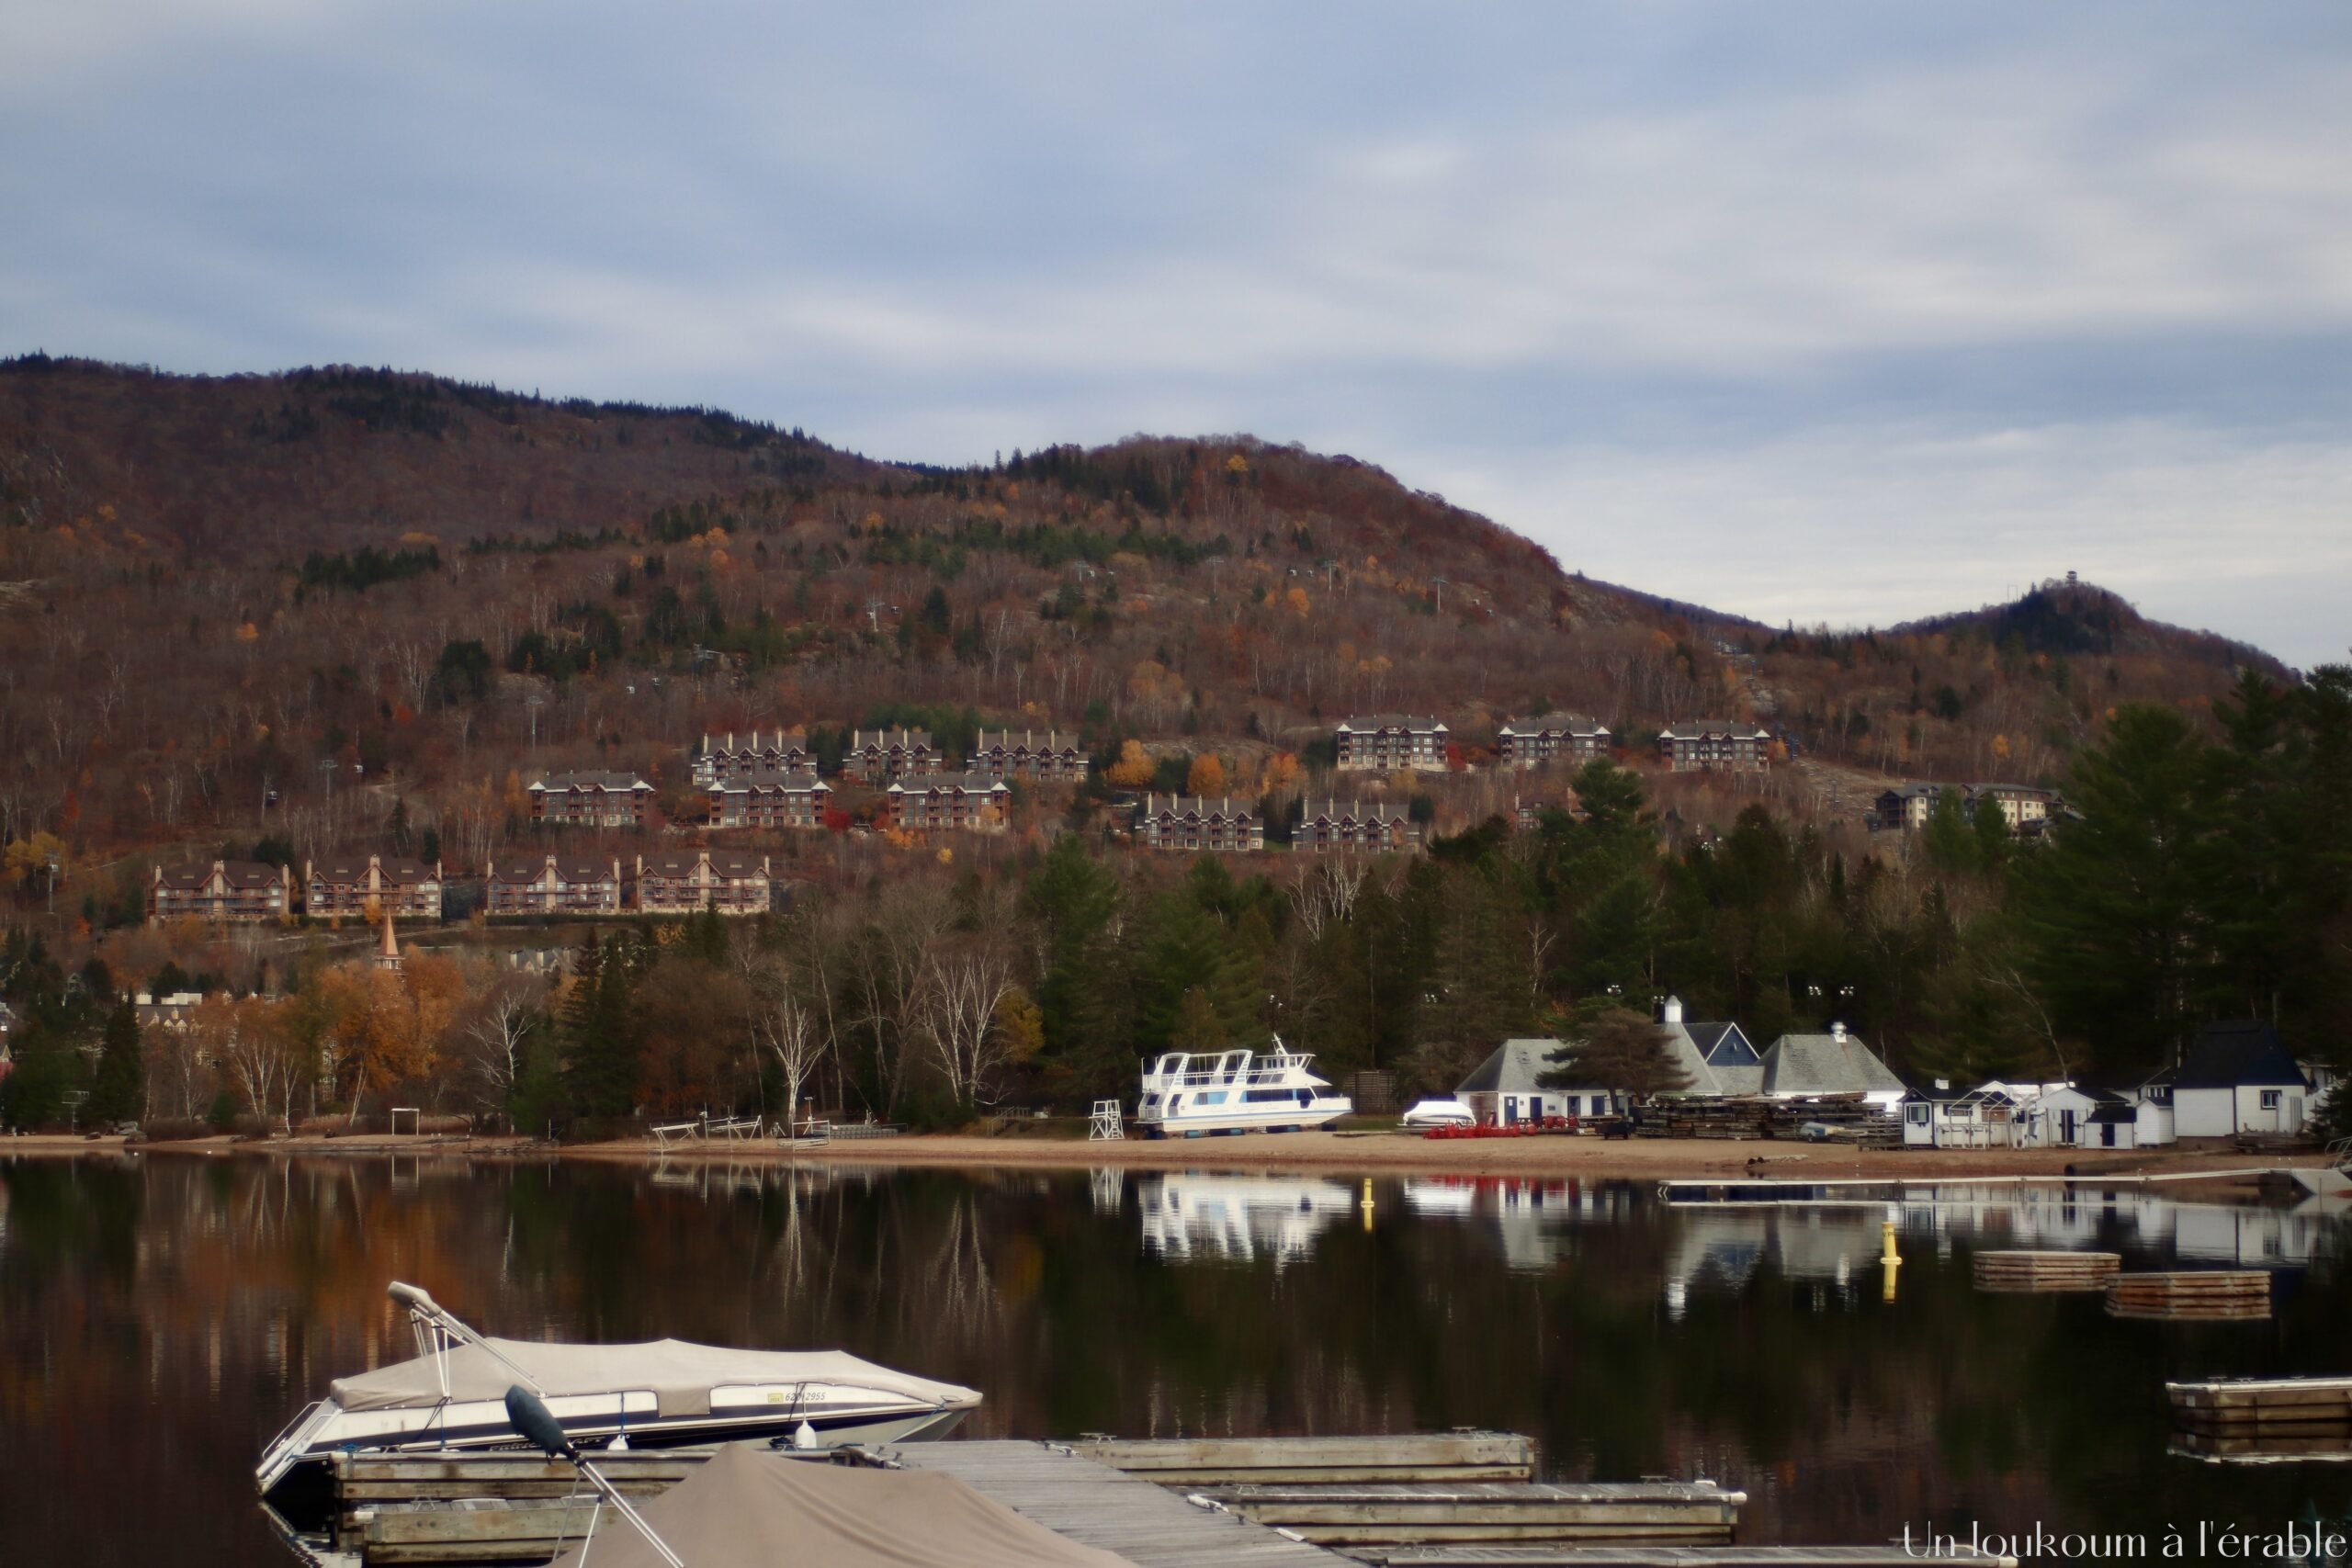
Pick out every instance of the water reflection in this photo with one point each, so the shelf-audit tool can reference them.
(1536, 1221)
(1237, 1218)
(160, 1321)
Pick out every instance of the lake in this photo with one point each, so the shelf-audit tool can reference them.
(161, 1319)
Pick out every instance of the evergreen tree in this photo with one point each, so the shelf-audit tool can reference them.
(1085, 990)
(705, 937)
(1949, 838)
(599, 1061)
(38, 1092)
(1616, 1049)
(2117, 910)
(1991, 825)
(119, 1089)
(1197, 1028)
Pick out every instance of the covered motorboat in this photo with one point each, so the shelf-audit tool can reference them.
(660, 1392)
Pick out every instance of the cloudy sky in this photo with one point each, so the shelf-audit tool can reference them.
(1843, 314)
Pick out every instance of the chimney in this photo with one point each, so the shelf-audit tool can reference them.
(1838, 1032)
(1672, 1011)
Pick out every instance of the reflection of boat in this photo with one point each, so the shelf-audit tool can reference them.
(1236, 1091)
(662, 1391)
(1238, 1217)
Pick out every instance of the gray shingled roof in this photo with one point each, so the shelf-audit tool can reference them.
(1823, 1064)
(591, 778)
(1513, 1069)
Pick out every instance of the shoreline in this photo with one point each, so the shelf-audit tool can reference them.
(1324, 1153)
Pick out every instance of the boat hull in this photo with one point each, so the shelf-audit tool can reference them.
(294, 1466)
(1273, 1119)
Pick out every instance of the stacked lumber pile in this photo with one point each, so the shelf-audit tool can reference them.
(2046, 1271)
(2263, 1420)
(1851, 1119)
(2209, 1295)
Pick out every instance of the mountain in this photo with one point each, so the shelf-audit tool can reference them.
(209, 586)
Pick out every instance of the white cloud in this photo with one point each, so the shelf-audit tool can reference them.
(1877, 525)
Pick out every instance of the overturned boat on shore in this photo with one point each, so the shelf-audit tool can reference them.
(662, 1393)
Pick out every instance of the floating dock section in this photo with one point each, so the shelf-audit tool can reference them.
(2044, 1272)
(1667, 1513)
(2205, 1296)
(2263, 1420)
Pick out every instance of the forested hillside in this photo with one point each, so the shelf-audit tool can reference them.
(356, 610)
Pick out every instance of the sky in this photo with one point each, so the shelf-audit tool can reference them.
(1817, 313)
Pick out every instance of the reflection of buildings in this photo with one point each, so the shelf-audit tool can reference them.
(2127, 1218)
(1835, 1242)
(1188, 1215)
(1725, 1249)
(1531, 1218)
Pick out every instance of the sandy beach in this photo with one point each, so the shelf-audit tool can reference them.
(1327, 1152)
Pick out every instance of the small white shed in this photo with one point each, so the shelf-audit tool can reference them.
(2072, 1117)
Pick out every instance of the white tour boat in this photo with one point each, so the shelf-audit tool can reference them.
(660, 1394)
(1236, 1091)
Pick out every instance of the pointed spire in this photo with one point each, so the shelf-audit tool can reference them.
(388, 951)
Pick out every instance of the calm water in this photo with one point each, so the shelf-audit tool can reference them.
(160, 1321)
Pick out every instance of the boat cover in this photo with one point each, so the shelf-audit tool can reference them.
(749, 1509)
(680, 1373)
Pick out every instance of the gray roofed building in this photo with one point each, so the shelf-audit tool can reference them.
(1801, 1066)
(1506, 1088)
(1715, 745)
(593, 797)
(1532, 742)
(1389, 742)
(1716, 1057)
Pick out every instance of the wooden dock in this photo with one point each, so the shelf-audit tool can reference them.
(2263, 1420)
(2202, 1295)
(2250, 1403)
(1668, 1557)
(2039, 1272)
(1095, 1505)
(1405, 1457)
(2311, 1448)
(1177, 1502)
(1663, 1513)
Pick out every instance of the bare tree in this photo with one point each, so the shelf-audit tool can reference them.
(791, 1031)
(968, 977)
(495, 1041)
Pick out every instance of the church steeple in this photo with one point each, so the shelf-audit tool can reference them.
(388, 951)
